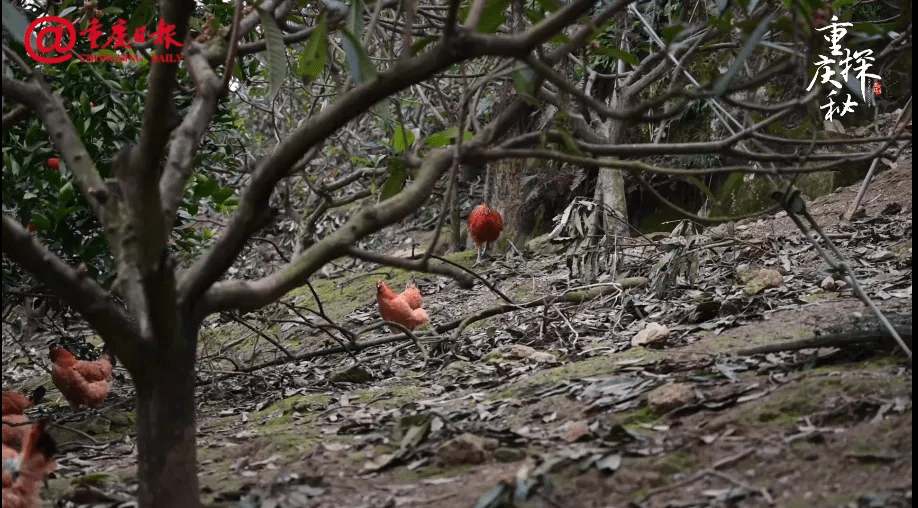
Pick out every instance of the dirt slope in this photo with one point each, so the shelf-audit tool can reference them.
(555, 403)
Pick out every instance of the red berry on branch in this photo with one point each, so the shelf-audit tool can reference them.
(54, 163)
(33, 228)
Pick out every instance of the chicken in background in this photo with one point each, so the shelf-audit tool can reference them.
(404, 309)
(484, 226)
(81, 382)
(17, 403)
(14, 418)
(24, 471)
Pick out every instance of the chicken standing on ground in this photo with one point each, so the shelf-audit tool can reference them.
(23, 472)
(81, 382)
(485, 226)
(14, 418)
(404, 309)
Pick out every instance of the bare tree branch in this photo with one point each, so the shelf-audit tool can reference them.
(274, 167)
(247, 296)
(16, 115)
(464, 280)
(79, 290)
(189, 134)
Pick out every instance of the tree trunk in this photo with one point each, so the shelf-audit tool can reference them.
(502, 191)
(610, 184)
(167, 461)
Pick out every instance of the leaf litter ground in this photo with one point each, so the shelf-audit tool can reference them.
(554, 403)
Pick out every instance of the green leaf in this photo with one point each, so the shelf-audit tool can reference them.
(493, 16)
(423, 43)
(361, 68)
(733, 181)
(276, 53)
(569, 143)
(669, 33)
(315, 54)
(205, 186)
(396, 180)
(560, 38)
(618, 53)
(403, 139)
(40, 222)
(141, 15)
(60, 213)
(701, 186)
(446, 137)
(549, 5)
(66, 193)
(355, 17)
(220, 195)
(525, 82)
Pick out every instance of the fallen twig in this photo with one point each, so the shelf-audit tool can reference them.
(831, 340)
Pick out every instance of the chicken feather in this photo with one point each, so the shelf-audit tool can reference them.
(484, 226)
(81, 382)
(15, 422)
(24, 471)
(404, 309)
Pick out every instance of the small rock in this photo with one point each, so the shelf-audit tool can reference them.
(668, 397)
(519, 351)
(542, 245)
(882, 255)
(653, 335)
(903, 253)
(828, 283)
(464, 449)
(744, 273)
(764, 279)
(576, 432)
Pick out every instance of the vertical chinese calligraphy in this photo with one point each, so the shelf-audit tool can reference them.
(838, 65)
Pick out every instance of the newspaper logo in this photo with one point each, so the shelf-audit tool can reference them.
(54, 38)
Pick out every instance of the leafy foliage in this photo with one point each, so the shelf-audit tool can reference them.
(106, 103)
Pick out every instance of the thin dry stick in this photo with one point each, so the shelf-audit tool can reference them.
(873, 166)
(571, 297)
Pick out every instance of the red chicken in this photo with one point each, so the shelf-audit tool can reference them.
(17, 403)
(485, 226)
(412, 296)
(81, 382)
(24, 471)
(14, 419)
(404, 309)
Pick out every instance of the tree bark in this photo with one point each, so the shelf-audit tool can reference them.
(610, 184)
(166, 448)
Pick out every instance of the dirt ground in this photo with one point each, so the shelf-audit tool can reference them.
(553, 404)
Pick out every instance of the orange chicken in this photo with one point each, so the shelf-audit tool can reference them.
(404, 309)
(81, 382)
(24, 471)
(14, 419)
